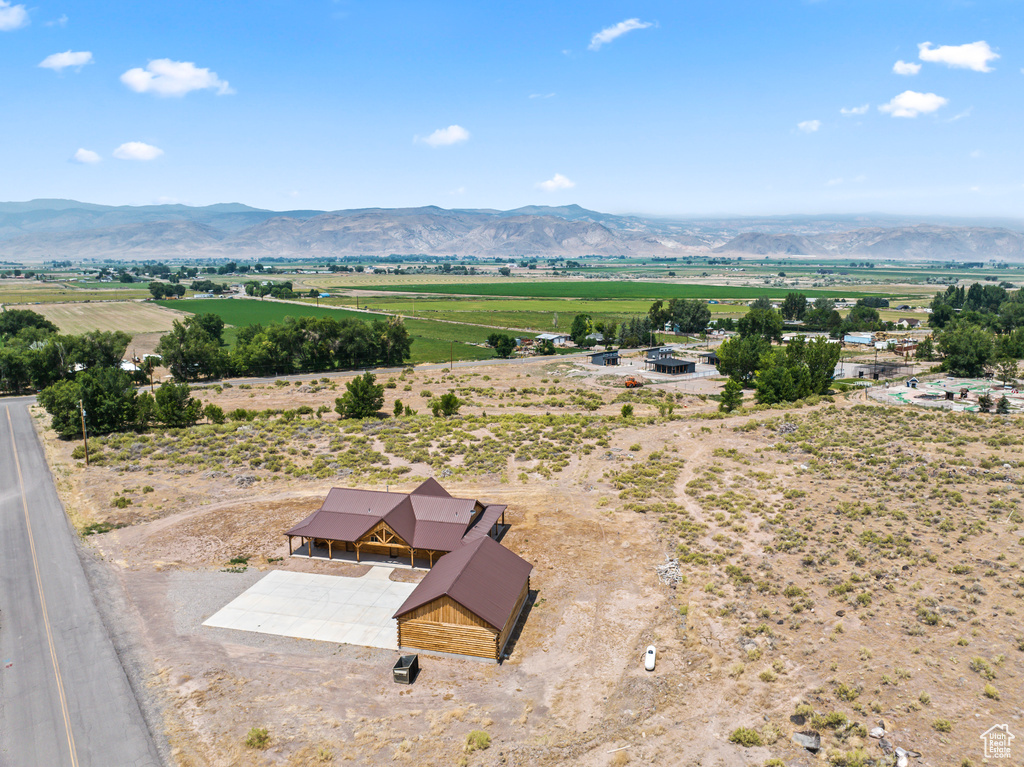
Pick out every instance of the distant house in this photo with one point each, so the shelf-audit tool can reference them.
(605, 358)
(903, 308)
(672, 366)
(597, 337)
(558, 339)
(908, 322)
(658, 352)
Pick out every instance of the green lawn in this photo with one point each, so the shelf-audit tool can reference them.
(432, 341)
(595, 289)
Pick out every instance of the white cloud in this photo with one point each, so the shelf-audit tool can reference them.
(58, 62)
(136, 150)
(86, 157)
(906, 67)
(834, 182)
(542, 95)
(912, 104)
(974, 56)
(174, 78)
(453, 134)
(861, 110)
(608, 34)
(12, 16)
(809, 126)
(556, 182)
(60, 22)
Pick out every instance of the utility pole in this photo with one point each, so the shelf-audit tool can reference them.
(85, 435)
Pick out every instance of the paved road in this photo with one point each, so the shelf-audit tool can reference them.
(64, 698)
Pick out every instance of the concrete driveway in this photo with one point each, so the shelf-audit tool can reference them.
(327, 608)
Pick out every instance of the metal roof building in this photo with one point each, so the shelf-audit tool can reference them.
(468, 603)
(425, 523)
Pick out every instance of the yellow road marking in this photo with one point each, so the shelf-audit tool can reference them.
(42, 597)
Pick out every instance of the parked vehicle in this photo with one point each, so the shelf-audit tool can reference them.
(650, 657)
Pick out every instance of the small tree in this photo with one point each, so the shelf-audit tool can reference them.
(399, 408)
(502, 344)
(732, 396)
(1003, 406)
(925, 349)
(363, 398)
(214, 413)
(985, 403)
(175, 405)
(445, 405)
(547, 346)
(627, 411)
(1006, 370)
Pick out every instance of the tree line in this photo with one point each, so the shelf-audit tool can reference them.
(195, 347)
(35, 354)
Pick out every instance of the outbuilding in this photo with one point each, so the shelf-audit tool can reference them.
(605, 358)
(672, 366)
(468, 604)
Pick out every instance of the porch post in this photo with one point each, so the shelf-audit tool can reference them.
(289, 545)
(310, 549)
(330, 555)
(357, 550)
(412, 557)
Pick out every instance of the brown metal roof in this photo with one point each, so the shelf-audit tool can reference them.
(483, 525)
(428, 518)
(431, 487)
(482, 576)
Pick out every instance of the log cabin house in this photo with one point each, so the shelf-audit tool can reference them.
(424, 524)
(469, 602)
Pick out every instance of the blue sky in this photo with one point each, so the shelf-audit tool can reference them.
(702, 107)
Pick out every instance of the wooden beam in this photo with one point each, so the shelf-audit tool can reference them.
(412, 557)
(357, 551)
(430, 556)
(330, 554)
(289, 545)
(310, 549)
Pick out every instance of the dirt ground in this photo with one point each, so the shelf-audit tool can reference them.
(830, 567)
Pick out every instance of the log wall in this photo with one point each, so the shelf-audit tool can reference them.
(477, 641)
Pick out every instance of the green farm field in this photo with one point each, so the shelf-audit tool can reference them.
(434, 341)
(536, 314)
(608, 289)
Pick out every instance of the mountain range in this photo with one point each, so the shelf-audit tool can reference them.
(65, 229)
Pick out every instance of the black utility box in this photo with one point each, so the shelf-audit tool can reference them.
(406, 669)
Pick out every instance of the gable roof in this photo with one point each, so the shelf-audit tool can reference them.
(482, 576)
(427, 518)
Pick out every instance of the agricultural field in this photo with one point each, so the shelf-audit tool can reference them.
(818, 568)
(605, 289)
(130, 316)
(434, 341)
(33, 292)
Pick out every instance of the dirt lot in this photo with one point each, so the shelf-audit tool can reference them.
(838, 565)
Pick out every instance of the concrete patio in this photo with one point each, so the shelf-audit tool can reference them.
(326, 608)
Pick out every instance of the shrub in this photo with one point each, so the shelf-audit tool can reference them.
(477, 740)
(942, 725)
(991, 692)
(746, 737)
(258, 738)
(627, 411)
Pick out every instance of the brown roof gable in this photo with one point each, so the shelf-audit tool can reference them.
(482, 576)
(427, 518)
